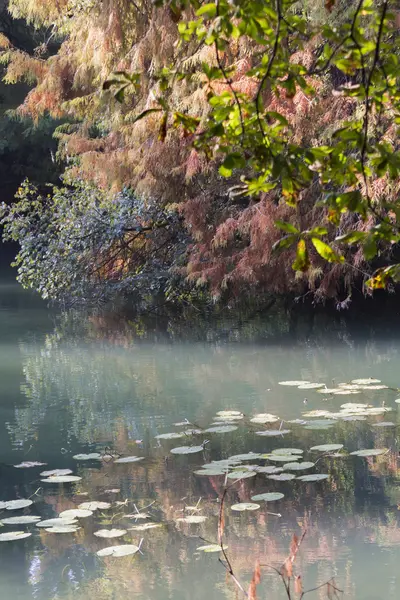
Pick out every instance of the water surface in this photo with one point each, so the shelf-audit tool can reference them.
(71, 384)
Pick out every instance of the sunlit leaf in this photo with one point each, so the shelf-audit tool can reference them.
(110, 533)
(25, 520)
(301, 466)
(94, 505)
(119, 551)
(128, 459)
(12, 536)
(187, 449)
(211, 548)
(242, 506)
(327, 447)
(314, 477)
(268, 496)
(78, 513)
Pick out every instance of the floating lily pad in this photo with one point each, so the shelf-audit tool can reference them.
(282, 477)
(272, 432)
(245, 506)
(311, 386)
(328, 390)
(187, 449)
(92, 456)
(371, 452)
(112, 491)
(76, 513)
(94, 505)
(268, 496)
(25, 520)
(297, 421)
(375, 387)
(29, 464)
(110, 533)
(327, 447)
(320, 424)
(144, 526)
(345, 392)
(128, 459)
(367, 381)
(62, 529)
(211, 548)
(57, 521)
(169, 436)
(294, 383)
(17, 504)
(221, 429)
(193, 431)
(314, 477)
(211, 472)
(263, 418)
(62, 479)
(241, 474)
(316, 413)
(119, 551)
(281, 457)
(191, 519)
(182, 423)
(14, 535)
(384, 424)
(301, 466)
(287, 451)
(229, 413)
(242, 457)
(269, 469)
(56, 472)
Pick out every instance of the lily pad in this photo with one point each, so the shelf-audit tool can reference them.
(241, 474)
(221, 429)
(193, 431)
(345, 392)
(56, 472)
(229, 413)
(17, 504)
(242, 457)
(268, 496)
(287, 451)
(314, 477)
(301, 466)
(62, 479)
(211, 548)
(112, 491)
(25, 520)
(76, 513)
(14, 535)
(144, 526)
(110, 533)
(281, 457)
(282, 477)
(294, 383)
(367, 381)
(316, 413)
(169, 436)
(92, 456)
(311, 386)
(62, 529)
(272, 432)
(384, 424)
(29, 464)
(371, 452)
(57, 521)
(245, 506)
(128, 459)
(269, 469)
(263, 418)
(94, 505)
(119, 551)
(191, 519)
(327, 447)
(211, 472)
(187, 449)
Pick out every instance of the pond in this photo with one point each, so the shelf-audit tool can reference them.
(73, 386)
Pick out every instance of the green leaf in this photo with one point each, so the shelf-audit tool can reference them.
(351, 237)
(145, 113)
(286, 242)
(208, 10)
(326, 251)
(284, 226)
(302, 261)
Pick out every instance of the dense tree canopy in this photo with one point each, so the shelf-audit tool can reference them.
(264, 132)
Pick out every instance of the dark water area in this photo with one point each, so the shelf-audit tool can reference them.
(72, 383)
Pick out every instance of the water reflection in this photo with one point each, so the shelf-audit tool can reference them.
(89, 384)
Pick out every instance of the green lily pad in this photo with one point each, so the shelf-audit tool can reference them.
(314, 477)
(272, 432)
(94, 505)
(268, 496)
(243, 457)
(62, 479)
(367, 381)
(263, 418)
(269, 469)
(12, 536)
(187, 449)
(128, 459)
(110, 533)
(384, 424)
(76, 513)
(119, 551)
(29, 464)
(145, 526)
(327, 447)
(282, 477)
(25, 520)
(294, 383)
(17, 504)
(311, 386)
(56, 472)
(211, 472)
(57, 521)
(245, 506)
(371, 452)
(92, 456)
(241, 474)
(221, 429)
(281, 457)
(301, 466)
(287, 451)
(62, 529)
(169, 436)
(191, 519)
(229, 413)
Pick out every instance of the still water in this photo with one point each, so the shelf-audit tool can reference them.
(71, 385)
